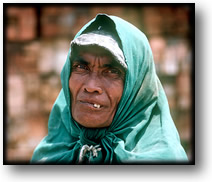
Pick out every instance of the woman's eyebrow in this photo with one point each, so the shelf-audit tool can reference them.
(79, 59)
(112, 64)
(108, 65)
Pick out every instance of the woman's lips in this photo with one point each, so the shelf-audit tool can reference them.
(91, 104)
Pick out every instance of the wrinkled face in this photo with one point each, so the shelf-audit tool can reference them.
(96, 86)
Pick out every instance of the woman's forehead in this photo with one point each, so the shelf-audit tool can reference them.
(95, 50)
(92, 52)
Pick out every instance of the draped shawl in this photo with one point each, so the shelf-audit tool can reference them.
(142, 129)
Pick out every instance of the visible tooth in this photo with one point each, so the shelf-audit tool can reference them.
(96, 105)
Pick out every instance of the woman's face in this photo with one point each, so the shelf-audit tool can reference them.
(96, 85)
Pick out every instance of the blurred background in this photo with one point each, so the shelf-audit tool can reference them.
(36, 43)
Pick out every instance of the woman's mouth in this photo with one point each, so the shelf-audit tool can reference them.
(92, 104)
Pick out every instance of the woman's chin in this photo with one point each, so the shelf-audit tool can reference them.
(93, 122)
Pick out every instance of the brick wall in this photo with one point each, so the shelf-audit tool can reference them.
(37, 43)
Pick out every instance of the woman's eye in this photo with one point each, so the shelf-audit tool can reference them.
(113, 73)
(80, 67)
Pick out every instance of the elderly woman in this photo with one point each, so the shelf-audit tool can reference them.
(112, 108)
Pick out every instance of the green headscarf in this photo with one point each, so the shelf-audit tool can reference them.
(142, 129)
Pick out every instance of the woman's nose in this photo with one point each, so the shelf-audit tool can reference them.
(93, 85)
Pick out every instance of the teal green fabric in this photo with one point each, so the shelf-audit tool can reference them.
(142, 129)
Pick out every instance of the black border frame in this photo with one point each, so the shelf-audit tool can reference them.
(39, 5)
